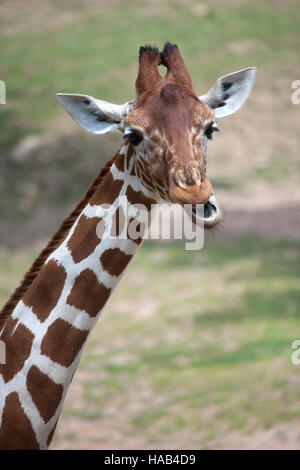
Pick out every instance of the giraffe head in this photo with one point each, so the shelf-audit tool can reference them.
(168, 126)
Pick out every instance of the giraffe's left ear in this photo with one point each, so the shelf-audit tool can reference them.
(230, 92)
(96, 116)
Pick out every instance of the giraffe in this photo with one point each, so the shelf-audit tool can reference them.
(47, 321)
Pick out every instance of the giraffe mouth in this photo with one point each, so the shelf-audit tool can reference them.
(210, 214)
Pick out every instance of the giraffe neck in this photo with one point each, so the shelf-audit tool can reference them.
(46, 333)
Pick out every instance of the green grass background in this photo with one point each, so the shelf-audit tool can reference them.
(97, 54)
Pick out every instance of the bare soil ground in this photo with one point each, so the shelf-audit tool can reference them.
(281, 437)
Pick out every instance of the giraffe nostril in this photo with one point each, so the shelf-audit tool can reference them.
(189, 177)
(180, 179)
(196, 176)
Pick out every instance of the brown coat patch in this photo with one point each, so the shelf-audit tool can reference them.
(45, 393)
(43, 294)
(18, 347)
(16, 432)
(137, 197)
(118, 222)
(84, 239)
(87, 294)
(63, 342)
(115, 261)
(146, 179)
(108, 191)
(119, 162)
(133, 173)
(129, 155)
(134, 227)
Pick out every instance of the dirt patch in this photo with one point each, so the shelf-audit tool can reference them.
(282, 437)
(274, 223)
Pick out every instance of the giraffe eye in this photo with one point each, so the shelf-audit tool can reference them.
(134, 137)
(209, 131)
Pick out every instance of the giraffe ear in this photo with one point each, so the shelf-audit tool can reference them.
(96, 116)
(230, 92)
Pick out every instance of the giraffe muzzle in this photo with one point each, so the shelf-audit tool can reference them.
(189, 188)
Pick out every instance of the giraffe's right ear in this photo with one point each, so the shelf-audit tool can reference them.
(230, 92)
(96, 116)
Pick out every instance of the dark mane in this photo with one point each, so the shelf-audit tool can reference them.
(52, 245)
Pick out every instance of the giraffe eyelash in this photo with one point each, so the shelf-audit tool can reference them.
(134, 137)
(210, 130)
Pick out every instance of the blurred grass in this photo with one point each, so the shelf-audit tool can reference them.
(192, 345)
(97, 54)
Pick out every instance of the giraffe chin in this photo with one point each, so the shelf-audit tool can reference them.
(210, 215)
